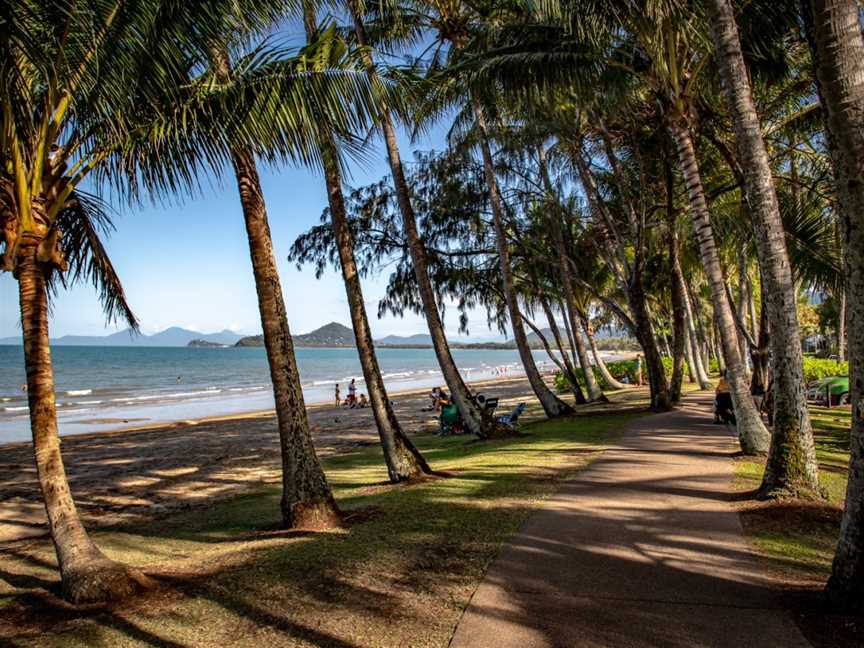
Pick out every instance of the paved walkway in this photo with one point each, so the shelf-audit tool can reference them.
(643, 548)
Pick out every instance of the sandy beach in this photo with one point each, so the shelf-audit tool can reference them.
(133, 474)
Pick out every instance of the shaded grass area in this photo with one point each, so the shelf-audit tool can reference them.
(400, 574)
(798, 538)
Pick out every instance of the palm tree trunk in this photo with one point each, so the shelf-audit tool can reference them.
(634, 289)
(841, 328)
(834, 33)
(552, 405)
(680, 337)
(87, 575)
(699, 367)
(791, 466)
(598, 359)
(571, 370)
(468, 408)
(594, 393)
(404, 462)
(307, 501)
(753, 436)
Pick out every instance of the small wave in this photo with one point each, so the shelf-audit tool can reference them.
(14, 409)
(79, 392)
(94, 402)
(398, 374)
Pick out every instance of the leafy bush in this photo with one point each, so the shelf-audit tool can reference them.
(818, 368)
(713, 366)
(618, 368)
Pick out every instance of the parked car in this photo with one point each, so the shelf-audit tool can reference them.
(835, 388)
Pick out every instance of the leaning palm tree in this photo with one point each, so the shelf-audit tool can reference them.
(792, 433)
(834, 34)
(65, 113)
(468, 408)
(102, 93)
(404, 461)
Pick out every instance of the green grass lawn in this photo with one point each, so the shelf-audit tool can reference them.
(400, 574)
(798, 538)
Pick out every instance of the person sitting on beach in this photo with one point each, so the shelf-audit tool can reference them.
(364, 402)
(443, 399)
(434, 396)
(338, 396)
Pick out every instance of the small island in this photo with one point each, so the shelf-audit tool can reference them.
(206, 344)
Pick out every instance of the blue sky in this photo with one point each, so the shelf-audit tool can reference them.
(188, 265)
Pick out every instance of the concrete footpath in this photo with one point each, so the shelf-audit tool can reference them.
(643, 548)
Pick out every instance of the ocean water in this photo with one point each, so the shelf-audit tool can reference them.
(104, 388)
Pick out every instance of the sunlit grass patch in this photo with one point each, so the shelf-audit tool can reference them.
(799, 538)
(400, 574)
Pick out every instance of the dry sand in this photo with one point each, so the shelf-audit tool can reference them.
(133, 474)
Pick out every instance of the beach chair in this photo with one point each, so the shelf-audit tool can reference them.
(451, 420)
(512, 419)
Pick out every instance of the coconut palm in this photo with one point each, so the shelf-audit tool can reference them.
(791, 465)
(106, 94)
(468, 408)
(834, 34)
(404, 461)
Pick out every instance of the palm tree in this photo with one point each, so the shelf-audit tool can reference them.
(834, 34)
(404, 461)
(468, 408)
(61, 113)
(107, 94)
(552, 405)
(791, 466)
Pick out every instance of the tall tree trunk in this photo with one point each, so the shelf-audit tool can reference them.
(834, 32)
(791, 466)
(753, 436)
(660, 400)
(636, 299)
(680, 337)
(461, 395)
(700, 370)
(591, 387)
(741, 306)
(598, 359)
(571, 370)
(87, 575)
(552, 405)
(307, 501)
(841, 328)
(404, 462)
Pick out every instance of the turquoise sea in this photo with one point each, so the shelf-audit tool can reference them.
(103, 388)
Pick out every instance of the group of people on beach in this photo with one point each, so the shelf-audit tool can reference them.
(351, 402)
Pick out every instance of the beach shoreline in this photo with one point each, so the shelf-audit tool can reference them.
(135, 474)
(241, 416)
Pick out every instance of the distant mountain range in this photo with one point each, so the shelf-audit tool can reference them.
(329, 335)
(170, 337)
(338, 335)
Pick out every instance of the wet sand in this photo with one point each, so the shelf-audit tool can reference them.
(136, 473)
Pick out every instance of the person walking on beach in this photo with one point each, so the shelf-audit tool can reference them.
(352, 393)
(338, 396)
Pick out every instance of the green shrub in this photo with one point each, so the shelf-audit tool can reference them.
(713, 366)
(818, 368)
